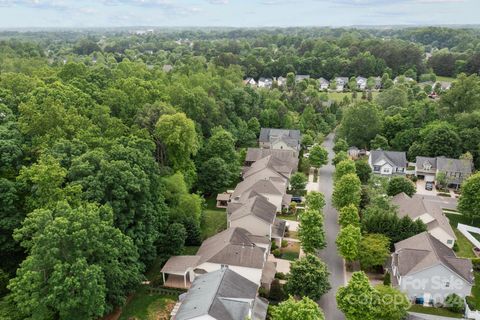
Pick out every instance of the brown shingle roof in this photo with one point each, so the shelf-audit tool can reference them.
(258, 206)
(424, 251)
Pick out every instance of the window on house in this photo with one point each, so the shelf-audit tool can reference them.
(449, 241)
(376, 168)
(447, 284)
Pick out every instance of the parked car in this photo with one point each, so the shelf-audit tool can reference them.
(297, 199)
(429, 185)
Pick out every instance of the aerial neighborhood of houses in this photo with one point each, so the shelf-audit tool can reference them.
(225, 274)
(343, 83)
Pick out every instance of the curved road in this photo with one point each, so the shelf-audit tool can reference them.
(329, 255)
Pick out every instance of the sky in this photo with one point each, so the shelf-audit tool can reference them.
(235, 13)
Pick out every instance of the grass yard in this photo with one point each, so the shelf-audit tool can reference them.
(213, 222)
(476, 291)
(435, 311)
(465, 247)
(339, 96)
(290, 217)
(145, 306)
(291, 252)
(447, 79)
(293, 234)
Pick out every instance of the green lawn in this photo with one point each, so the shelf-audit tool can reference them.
(213, 221)
(447, 79)
(145, 306)
(435, 311)
(476, 291)
(465, 247)
(339, 96)
(290, 217)
(291, 252)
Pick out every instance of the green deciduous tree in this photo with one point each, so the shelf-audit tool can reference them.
(340, 145)
(315, 200)
(347, 191)
(469, 202)
(348, 241)
(343, 168)
(312, 268)
(81, 263)
(318, 156)
(363, 170)
(379, 142)
(400, 184)
(374, 250)
(298, 181)
(356, 299)
(311, 231)
(291, 309)
(360, 124)
(340, 156)
(349, 216)
(391, 304)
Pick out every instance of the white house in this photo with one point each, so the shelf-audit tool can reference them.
(285, 139)
(281, 81)
(265, 83)
(427, 271)
(323, 84)
(388, 162)
(242, 252)
(361, 83)
(250, 82)
(258, 216)
(221, 295)
(429, 212)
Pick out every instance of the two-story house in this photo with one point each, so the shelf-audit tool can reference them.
(285, 139)
(429, 212)
(323, 84)
(388, 162)
(456, 170)
(427, 271)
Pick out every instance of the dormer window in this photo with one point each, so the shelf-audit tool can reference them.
(427, 165)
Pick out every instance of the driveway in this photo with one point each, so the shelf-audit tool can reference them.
(421, 189)
(329, 255)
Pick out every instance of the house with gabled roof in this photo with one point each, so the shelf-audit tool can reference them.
(456, 170)
(341, 83)
(250, 82)
(427, 271)
(265, 82)
(236, 248)
(388, 162)
(258, 216)
(221, 295)
(429, 212)
(290, 157)
(285, 139)
(361, 83)
(271, 164)
(323, 84)
(281, 81)
(301, 77)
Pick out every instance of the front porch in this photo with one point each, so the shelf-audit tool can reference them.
(176, 281)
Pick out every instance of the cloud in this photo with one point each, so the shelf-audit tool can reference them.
(218, 1)
(40, 4)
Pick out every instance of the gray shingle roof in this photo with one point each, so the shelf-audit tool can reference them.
(397, 158)
(290, 157)
(258, 206)
(267, 134)
(424, 251)
(417, 205)
(270, 162)
(232, 247)
(222, 294)
(454, 165)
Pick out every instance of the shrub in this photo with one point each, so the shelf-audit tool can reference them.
(280, 276)
(476, 264)
(454, 303)
(455, 247)
(274, 246)
(387, 279)
(262, 292)
(276, 291)
(284, 243)
(277, 253)
(471, 302)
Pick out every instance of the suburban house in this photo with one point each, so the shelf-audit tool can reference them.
(280, 139)
(378, 83)
(167, 68)
(265, 83)
(456, 170)
(221, 295)
(301, 77)
(281, 81)
(361, 83)
(323, 84)
(258, 216)
(427, 271)
(388, 162)
(288, 156)
(271, 187)
(236, 248)
(341, 83)
(250, 82)
(429, 212)
(402, 79)
(355, 153)
(269, 166)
